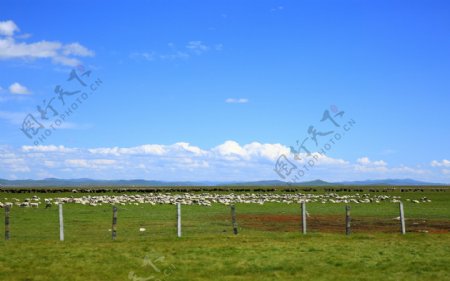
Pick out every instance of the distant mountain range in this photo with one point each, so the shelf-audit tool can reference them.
(53, 182)
(391, 182)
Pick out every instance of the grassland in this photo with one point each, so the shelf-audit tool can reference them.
(268, 246)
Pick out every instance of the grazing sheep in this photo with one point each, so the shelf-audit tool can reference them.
(206, 199)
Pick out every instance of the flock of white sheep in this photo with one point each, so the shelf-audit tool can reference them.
(205, 199)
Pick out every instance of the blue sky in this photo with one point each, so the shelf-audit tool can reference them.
(219, 90)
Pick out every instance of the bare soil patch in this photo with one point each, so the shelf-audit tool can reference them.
(335, 224)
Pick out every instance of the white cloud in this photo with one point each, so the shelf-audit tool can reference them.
(174, 56)
(186, 147)
(149, 56)
(15, 164)
(408, 170)
(150, 149)
(47, 148)
(365, 165)
(7, 28)
(81, 163)
(266, 151)
(65, 54)
(143, 149)
(363, 160)
(368, 169)
(50, 164)
(231, 150)
(18, 89)
(229, 161)
(153, 56)
(65, 61)
(184, 53)
(233, 100)
(443, 163)
(277, 9)
(76, 49)
(325, 160)
(90, 163)
(259, 152)
(366, 161)
(197, 47)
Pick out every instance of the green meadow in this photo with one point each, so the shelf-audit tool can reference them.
(269, 245)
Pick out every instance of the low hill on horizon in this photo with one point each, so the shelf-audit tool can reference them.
(85, 182)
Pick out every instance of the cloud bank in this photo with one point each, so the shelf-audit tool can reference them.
(182, 161)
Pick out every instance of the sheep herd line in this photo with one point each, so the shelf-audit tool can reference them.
(205, 199)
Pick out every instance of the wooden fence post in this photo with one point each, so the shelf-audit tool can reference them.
(114, 223)
(179, 219)
(402, 219)
(233, 219)
(303, 204)
(347, 220)
(61, 223)
(7, 209)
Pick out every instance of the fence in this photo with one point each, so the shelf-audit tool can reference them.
(145, 222)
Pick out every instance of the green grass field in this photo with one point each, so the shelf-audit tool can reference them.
(269, 245)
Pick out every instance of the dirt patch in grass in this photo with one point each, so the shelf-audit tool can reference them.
(336, 224)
